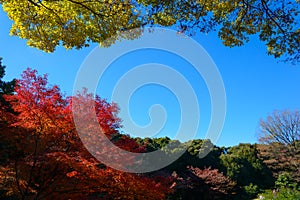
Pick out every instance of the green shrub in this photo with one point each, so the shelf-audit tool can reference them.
(281, 194)
(285, 180)
(251, 190)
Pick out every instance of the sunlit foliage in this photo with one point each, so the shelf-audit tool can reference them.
(76, 23)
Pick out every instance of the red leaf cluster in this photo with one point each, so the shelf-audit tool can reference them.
(47, 156)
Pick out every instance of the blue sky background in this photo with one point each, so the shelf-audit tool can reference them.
(256, 84)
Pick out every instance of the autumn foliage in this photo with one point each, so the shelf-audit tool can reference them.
(43, 154)
(46, 157)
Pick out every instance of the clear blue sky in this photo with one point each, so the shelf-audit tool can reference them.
(256, 84)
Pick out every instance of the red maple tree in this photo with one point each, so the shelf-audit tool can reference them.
(50, 159)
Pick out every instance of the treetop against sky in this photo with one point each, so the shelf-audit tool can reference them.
(76, 23)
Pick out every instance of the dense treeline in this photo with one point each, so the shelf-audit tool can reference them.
(250, 169)
(42, 156)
